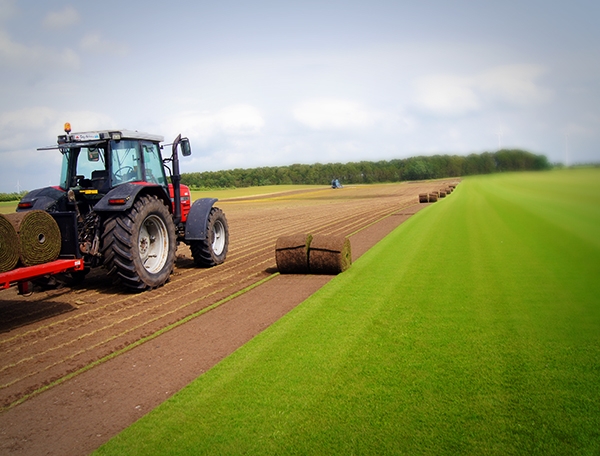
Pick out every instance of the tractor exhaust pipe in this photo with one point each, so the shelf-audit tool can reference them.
(176, 181)
(186, 151)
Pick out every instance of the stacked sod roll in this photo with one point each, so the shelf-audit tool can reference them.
(38, 237)
(9, 245)
(329, 254)
(313, 254)
(291, 253)
(423, 198)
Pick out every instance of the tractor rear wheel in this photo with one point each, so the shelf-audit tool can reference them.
(139, 245)
(213, 249)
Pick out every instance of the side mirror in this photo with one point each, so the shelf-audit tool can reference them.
(186, 149)
(93, 155)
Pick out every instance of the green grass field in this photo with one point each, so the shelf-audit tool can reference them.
(7, 207)
(474, 328)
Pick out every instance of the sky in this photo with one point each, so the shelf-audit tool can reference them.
(273, 83)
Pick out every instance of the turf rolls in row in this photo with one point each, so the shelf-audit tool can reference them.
(28, 238)
(435, 195)
(313, 254)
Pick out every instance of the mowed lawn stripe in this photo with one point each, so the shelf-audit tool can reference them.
(474, 328)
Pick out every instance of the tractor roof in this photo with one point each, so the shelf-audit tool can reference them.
(94, 137)
(113, 134)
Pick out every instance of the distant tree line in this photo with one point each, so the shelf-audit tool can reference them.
(365, 172)
(15, 196)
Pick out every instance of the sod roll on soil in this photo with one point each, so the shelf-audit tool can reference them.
(423, 198)
(9, 245)
(329, 254)
(39, 237)
(291, 253)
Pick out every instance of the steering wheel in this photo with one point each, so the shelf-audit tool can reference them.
(125, 169)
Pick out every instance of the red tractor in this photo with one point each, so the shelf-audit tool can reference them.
(115, 207)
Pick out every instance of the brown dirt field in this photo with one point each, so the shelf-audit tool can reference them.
(47, 338)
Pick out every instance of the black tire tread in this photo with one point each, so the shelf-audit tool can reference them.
(202, 251)
(118, 245)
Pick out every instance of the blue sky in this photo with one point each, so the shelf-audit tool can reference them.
(268, 83)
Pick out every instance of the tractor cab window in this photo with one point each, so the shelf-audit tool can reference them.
(81, 166)
(153, 166)
(64, 171)
(125, 162)
(91, 169)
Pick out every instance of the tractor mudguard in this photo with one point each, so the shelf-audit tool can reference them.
(127, 194)
(197, 219)
(42, 199)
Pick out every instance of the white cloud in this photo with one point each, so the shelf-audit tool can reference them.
(333, 114)
(61, 19)
(15, 55)
(23, 131)
(230, 125)
(235, 120)
(446, 95)
(19, 126)
(82, 121)
(26, 118)
(94, 42)
(239, 120)
(513, 85)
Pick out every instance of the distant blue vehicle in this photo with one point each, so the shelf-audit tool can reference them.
(335, 183)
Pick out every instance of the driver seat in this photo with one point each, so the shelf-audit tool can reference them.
(99, 179)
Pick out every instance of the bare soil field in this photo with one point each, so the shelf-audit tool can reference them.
(72, 370)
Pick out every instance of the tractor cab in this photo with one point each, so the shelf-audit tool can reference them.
(105, 170)
(96, 162)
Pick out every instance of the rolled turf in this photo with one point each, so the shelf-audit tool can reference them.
(9, 245)
(329, 254)
(39, 237)
(291, 253)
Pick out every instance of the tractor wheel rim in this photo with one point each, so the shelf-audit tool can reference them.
(153, 244)
(218, 244)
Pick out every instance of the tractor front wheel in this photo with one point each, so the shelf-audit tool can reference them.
(139, 245)
(213, 250)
